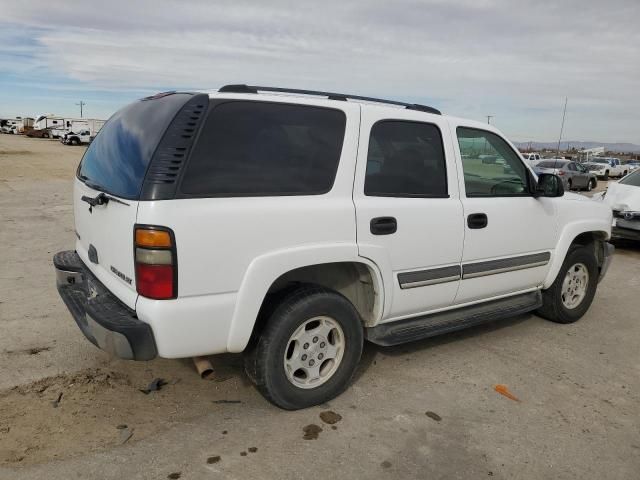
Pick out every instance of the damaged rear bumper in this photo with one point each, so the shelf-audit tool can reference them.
(103, 319)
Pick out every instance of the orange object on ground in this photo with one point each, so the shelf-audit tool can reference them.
(503, 390)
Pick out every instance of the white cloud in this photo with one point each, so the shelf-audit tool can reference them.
(516, 60)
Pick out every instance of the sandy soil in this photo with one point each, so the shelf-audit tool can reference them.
(425, 410)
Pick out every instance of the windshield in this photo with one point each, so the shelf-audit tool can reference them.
(552, 164)
(631, 179)
(116, 161)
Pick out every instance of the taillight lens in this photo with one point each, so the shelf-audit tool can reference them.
(560, 172)
(156, 262)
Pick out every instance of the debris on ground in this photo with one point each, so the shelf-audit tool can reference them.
(125, 434)
(226, 401)
(154, 386)
(311, 432)
(253, 449)
(214, 459)
(174, 475)
(243, 454)
(386, 464)
(330, 417)
(56, 402)
(433, 416)
(504, 391)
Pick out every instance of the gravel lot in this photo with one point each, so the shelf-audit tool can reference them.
(424, 410)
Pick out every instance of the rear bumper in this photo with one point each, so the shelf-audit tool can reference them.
(103, 319)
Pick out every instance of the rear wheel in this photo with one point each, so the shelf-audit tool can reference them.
(591, 185)
(308, 350)
(45, 135)
(568, 184)
(571, 294)
(606, 175)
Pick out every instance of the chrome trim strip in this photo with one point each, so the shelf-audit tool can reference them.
(424, 283)
(433, 276)
(492, 267)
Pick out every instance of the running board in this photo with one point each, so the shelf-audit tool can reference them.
(417, 328)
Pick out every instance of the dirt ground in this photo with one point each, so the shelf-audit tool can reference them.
(424, 410)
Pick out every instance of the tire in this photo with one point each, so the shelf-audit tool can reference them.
(590, 185)
(606, 175)
(554, 307)
(45, 135)
(266, 361)
(624, 174)
(569, 185)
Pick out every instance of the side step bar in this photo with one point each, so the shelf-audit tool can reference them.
(417, 328)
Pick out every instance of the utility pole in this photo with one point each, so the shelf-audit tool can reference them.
(489, 117)
(564, 113)
(82, 104)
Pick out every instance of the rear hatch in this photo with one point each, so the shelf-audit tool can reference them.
(111, 176)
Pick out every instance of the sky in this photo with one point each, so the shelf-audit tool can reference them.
(515, 60)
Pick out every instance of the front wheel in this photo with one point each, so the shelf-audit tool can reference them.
(308, 350)
(591, 185)
(571, 294)
(606, 175)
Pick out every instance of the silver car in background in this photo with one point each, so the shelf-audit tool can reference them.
(574, 175)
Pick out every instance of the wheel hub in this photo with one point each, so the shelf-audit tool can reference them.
(574, 286)
(314, 352)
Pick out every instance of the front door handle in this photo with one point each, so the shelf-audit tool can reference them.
(477, 220)
(383, 225)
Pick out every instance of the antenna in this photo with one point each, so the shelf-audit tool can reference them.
(82, 104)
(489, 117)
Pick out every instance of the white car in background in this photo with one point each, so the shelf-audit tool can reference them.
(624, 199)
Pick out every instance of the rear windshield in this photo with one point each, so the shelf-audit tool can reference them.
(117, 160)
(262, 149)
(552, 164)
(632, 179)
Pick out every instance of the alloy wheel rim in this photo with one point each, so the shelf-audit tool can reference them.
(314, 352)
(574, 286)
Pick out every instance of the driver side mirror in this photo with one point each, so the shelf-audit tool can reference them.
(549, 185)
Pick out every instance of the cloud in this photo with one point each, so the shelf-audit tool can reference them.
(515, 60)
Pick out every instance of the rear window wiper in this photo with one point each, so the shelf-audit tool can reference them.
(101, 199)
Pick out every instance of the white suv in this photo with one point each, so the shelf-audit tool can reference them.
(293, 225)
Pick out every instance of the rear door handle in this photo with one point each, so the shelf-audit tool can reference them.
(477, 220)
(383, 225)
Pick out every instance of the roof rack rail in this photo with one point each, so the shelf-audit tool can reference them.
(240, 88)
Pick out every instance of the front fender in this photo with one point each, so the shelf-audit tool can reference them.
(267, 268)
(566, 238)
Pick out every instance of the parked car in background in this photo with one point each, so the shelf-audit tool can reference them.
(294, 227)
(574, 175)
(39, 133)
(600, 170)
(71, 138)
(624, 199)
(633, 165)
(531, 157)
(615, 167)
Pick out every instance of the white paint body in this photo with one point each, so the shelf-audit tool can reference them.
(231, 250)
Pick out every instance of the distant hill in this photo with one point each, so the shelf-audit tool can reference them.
(612, 147)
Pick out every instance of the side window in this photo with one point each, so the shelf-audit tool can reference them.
(406, 159)
(251, 148)
(572, 167)
(491, 168)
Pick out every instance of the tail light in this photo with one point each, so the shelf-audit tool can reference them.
(156, 262)
(560, 172)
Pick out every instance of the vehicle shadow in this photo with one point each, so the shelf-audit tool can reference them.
(371, 350)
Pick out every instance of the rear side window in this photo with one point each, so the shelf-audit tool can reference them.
(116, 161)
(406, 159)
(262, 149)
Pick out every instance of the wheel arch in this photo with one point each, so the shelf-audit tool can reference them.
(338, 268)
(579, 233)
